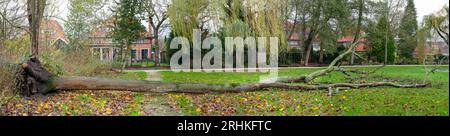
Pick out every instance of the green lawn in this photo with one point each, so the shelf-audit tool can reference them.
(360, 102)
(147, 64)
(130, 75)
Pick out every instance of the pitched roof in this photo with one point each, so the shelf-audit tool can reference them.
(350, 39)
(52, 31)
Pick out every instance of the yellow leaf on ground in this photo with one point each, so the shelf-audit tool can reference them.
(108, 111)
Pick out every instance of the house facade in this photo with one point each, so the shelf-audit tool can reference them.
(103, 46)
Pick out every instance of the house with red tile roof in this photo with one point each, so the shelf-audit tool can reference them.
(52, 33)
(294, 40)
(347, 40)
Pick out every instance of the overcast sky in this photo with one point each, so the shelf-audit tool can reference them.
(426, 7)
(423, 7)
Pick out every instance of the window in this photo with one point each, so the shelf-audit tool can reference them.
(141, 41)
(293, 43)
(316, 46)
(144, 54)
(133, 54)
(105, 53)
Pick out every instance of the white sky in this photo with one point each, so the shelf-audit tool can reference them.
(423, 7)
(426, 7)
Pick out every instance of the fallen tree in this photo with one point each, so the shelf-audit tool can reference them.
(90, 83)
(33, 78)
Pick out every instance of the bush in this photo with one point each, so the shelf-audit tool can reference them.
(71, 62)
(7, 82)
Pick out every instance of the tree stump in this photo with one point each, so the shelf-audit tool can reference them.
(33, 78)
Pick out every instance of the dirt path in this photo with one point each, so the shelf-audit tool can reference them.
(157, 104)
(153, 75)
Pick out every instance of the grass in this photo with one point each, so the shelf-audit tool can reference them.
(147, 64)
(130, 75)
(143, 64)
(355, 102)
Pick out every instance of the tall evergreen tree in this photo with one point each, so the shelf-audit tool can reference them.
(377, 41)
(128, 27)
(407, 34)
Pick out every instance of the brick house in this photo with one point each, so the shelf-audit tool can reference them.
(52, 33)
(433, 48)
(347, 40)
(102, 44)
(294, 40)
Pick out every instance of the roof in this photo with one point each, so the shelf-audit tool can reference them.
(350, 39)
(104, 30)
(53, 31)
(361, 47)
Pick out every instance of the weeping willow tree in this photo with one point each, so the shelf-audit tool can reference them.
(188, 15)
(229, 18)
(266, 19)
(234, 19)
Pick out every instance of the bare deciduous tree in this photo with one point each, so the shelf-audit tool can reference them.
(157, 15)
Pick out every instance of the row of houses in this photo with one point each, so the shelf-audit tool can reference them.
(103, 47)
(433, 46)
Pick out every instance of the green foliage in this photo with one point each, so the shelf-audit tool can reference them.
(236, 29)
(422, 36)
(186, 16)
(81, 20)
(438, 23)
(15, 50)
(377, 41)
(128, 27)
(53, 60)
(407, 34)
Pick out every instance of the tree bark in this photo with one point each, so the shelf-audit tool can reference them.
(358, 28)
(125, 59)
(309, 46)
(85, 83)
(35, 9)
(157, 52)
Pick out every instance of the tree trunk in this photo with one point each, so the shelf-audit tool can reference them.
(157, 52)
(358, 28)
(34, 79)
(35, 9)
(2, 32)
(321, 56)
(309, 45)
(124, 59)
(85, 83)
